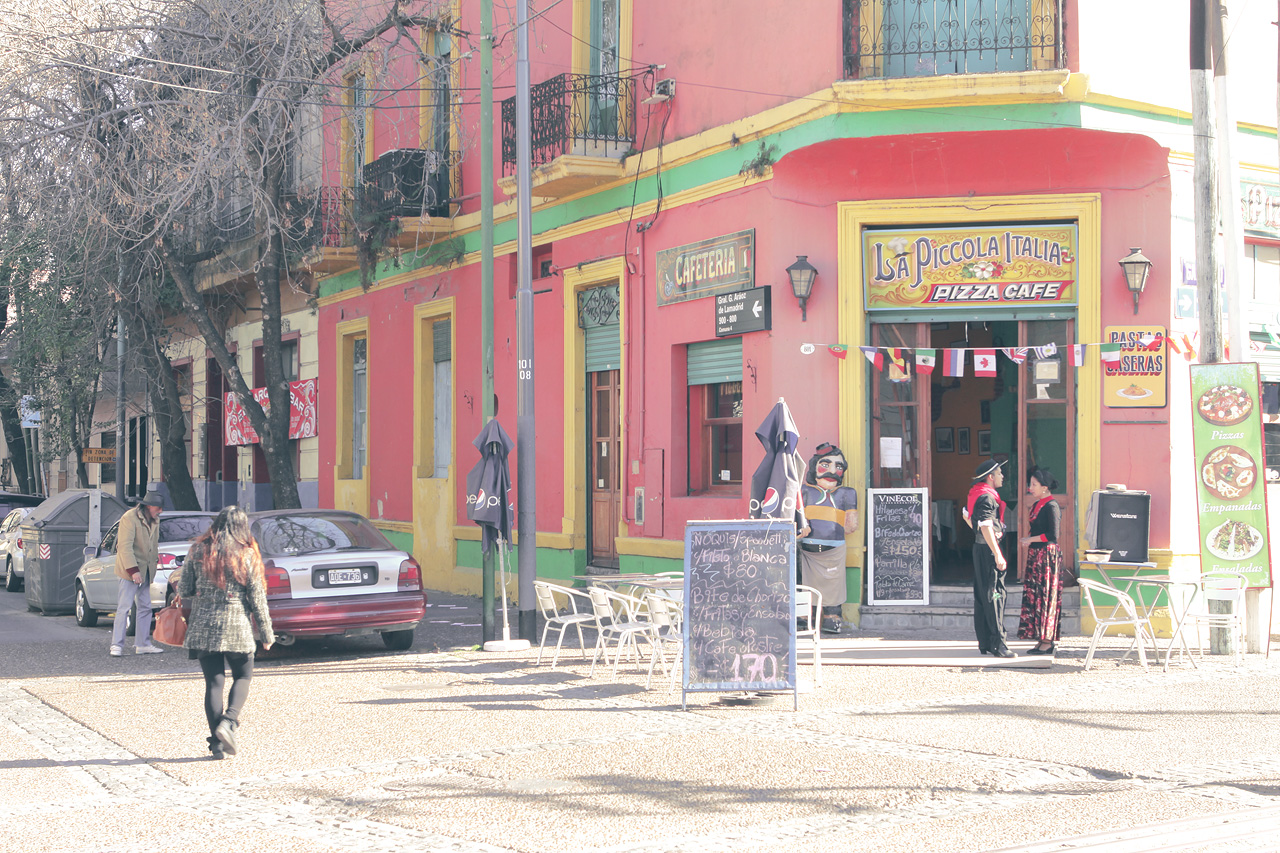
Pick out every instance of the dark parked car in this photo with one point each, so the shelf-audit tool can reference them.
(332, 573)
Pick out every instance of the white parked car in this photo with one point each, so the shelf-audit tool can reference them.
(97, 586)
(11, 547)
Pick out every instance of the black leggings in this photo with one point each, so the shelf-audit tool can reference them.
(214, 665)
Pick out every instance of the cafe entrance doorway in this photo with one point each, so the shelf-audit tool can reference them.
(931, 430)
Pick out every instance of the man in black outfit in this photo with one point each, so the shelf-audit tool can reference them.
(984, 512)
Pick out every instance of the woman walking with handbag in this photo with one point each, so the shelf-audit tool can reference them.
(223, 579)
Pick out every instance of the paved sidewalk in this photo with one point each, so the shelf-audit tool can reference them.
(349, 747)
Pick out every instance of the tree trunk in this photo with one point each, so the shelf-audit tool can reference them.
(14, 437)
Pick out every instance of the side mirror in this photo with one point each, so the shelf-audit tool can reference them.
(90, 551)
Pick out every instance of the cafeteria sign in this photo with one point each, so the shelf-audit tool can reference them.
(1137, 378)
(718, 265)
(1230, 483)
(970, 267)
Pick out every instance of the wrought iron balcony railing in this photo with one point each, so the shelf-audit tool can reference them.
(319, 219)
(925, 38)
(405, 182)
(592, 115)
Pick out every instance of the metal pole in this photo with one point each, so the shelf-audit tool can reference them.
(120, 406)
(527, 568)
(1205, 190)
(120, 331)
(486, 275)
(1229, 195)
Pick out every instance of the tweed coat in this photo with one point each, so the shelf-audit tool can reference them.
(219, 620)
(137, 544)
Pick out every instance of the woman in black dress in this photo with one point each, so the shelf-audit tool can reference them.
(1042, 586)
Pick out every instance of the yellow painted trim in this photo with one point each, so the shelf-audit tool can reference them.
(397, 526)
(1083, 208)
(423, 411)
(574, 229)
(575, 389)
(1023, 87)
(345, 332)
(556, 541)
(634, 546)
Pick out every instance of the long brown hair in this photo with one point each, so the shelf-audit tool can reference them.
(228, 547)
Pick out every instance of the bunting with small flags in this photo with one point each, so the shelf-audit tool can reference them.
(874, 356)
(1077, 355)
(953, 362)
(838, 350)
(1110, 353)
(925, 360)
(984, 362)
(1015, 354)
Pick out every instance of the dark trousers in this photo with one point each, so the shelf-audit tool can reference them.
(214, 666)
(988, 599)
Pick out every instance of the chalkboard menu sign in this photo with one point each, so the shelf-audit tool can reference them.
(897, 546)
(739, 605)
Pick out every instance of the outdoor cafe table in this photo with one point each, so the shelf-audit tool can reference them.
(1165, 584)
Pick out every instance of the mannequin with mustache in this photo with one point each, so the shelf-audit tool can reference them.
(832, 513)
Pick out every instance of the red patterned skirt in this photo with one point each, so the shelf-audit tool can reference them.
(1042, 594)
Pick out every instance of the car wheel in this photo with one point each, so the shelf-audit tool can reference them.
(11, 581)
(86, 616)
(397, 641)
(131, 621)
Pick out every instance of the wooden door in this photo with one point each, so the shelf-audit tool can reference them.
(900, 412)
(1047, 425)
(605, 466)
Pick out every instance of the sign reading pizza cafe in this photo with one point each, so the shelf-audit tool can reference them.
(1137, 379)
(1230, 488)
(970, 267)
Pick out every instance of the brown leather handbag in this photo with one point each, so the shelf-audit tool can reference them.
(170, 627)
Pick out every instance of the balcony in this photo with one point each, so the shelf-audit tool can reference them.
(318, 226)
(930, 38)
(405, 182)
(581, 128)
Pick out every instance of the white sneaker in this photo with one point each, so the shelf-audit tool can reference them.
(149, 650)
(116, 651)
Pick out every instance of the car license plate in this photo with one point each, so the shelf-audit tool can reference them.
(344, 576)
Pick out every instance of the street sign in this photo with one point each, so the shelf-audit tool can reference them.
(744, 311)
(98, 455)
(1187, 306)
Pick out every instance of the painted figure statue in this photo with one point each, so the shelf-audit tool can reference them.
(831, 510)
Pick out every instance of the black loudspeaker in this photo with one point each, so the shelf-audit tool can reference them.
(1124, 525)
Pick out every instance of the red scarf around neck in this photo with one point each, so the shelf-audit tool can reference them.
(980, 489)
(1035, 510)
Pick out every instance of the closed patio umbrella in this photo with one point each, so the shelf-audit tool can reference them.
(489, 505)
(775, 486)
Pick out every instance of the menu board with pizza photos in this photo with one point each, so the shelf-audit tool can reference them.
(1230, 478)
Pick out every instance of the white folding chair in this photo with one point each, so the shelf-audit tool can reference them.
(553, 619)
(1125, 612)
(619, 617)
(666, 617)
(809, 606)
(1220, 604)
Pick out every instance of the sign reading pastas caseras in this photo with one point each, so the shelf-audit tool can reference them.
(739, 605)
(970, 266)
(707, 267)
(1226, 432)
(1137, 378)
(897, 546)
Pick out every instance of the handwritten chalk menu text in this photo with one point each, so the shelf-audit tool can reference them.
(898, 546)
(739, 600)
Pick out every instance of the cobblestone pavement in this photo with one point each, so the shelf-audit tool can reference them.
(348, 747)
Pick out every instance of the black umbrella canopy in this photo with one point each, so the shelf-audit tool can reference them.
(775, 486)
(488, 485)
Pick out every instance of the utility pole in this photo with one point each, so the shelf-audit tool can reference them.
(1205, 190)
(525, 422)
(1229, 193)
(119, 377)
(487, 629)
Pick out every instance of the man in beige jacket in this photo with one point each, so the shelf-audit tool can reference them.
(137, 554)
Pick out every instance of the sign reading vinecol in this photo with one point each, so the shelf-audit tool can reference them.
(898, 546)
(739, 599)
